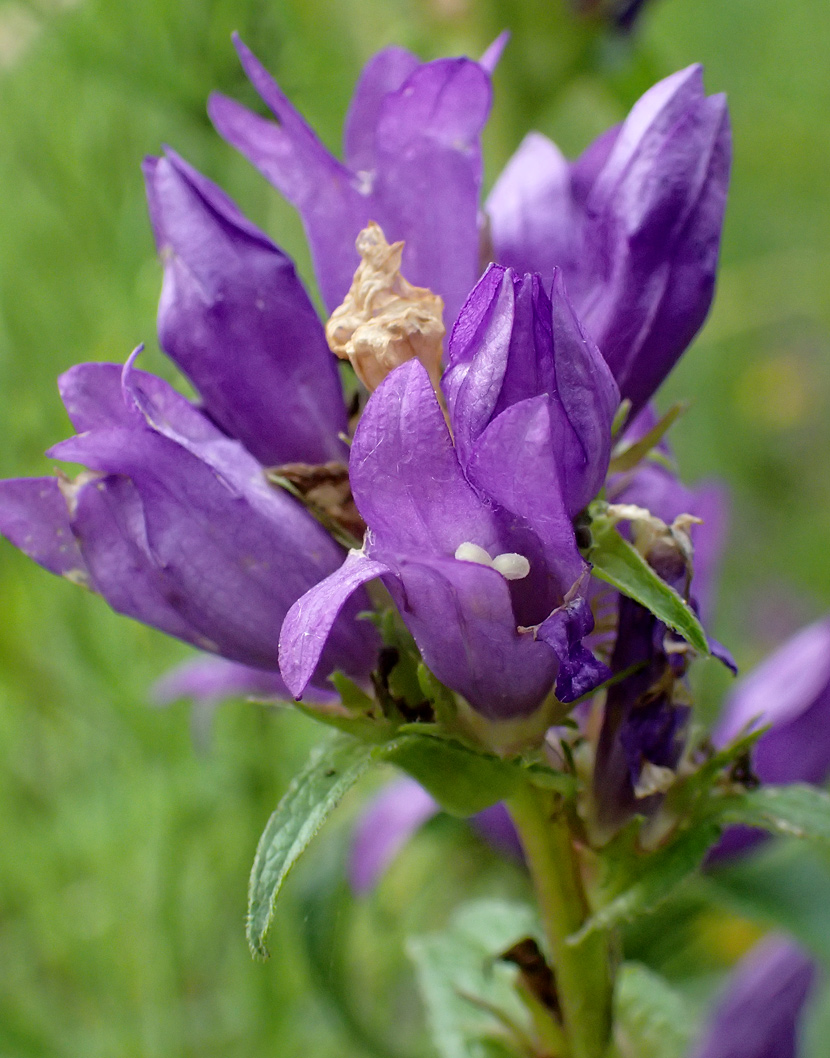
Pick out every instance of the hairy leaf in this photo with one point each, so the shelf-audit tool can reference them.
(469, 994)
(332, 769)
(619, 564)
(652, 1018)
(657, 876)
(797, 811)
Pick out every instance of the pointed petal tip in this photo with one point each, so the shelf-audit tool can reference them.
(491, 57)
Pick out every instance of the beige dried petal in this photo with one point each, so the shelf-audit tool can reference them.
(385, 320)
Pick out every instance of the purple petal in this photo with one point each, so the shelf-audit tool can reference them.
(535, 224)
(759, 1012)
(35, 518)
(210, 680)
(405, 475)
(651, 119)
(309, 622)
(236, 319)
(422, 186)
(588, 397)
(500, 352)
(634, 224)
(387, 823)
(659, 209)
(185, 534)
(461, 617)
(511, 343)
(382, 74)
(109, 523)
(232, 572)
(492, 56)
(579, 671)
(790, 691)
(590, 164)
(95, 397)
(515, 463)
(429, 175)
(92, 395)
(291, 156)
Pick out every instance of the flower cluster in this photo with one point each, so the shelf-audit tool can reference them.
(605, 270)
(501, 360)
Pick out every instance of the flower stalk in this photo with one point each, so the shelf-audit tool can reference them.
(583, 972)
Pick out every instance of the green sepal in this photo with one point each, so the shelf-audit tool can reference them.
(442, 698)
(627, 456)
(620, 417)
(363, 728)
(462, 781)
(652, 878)
(619, 564)
(354, 698)
(689, 796)
(652, 1019)
(547, 778)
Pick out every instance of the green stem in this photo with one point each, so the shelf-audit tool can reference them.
(583, 971)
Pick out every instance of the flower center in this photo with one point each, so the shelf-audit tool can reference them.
(511, 565)
(385, 320)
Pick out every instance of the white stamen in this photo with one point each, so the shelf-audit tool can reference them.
(469, 552)
(512, 566)
(653, 779)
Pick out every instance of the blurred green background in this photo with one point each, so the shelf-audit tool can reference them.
(125, 835)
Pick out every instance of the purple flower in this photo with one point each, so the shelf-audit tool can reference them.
(759, 1012)
(789, 692)
(395, 814)
(646, 713)
(175, 524)
(386, 824)
(412, 164)
(634, 225)
(235, 318)
(513, 343)
(474, 541)
(657, 489)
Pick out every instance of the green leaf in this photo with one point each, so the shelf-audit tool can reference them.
(785, 884)
(652, 1019)
(332, 769)
(627, 456)
(655, 876)
(462, 781)
(354, 698)
(797, 811)
(468, 993)
(363, 728)
(616, 562)
(685, 795)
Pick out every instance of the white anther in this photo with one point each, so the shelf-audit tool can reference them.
(653, 779)
(469, 552)
(511, 566)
